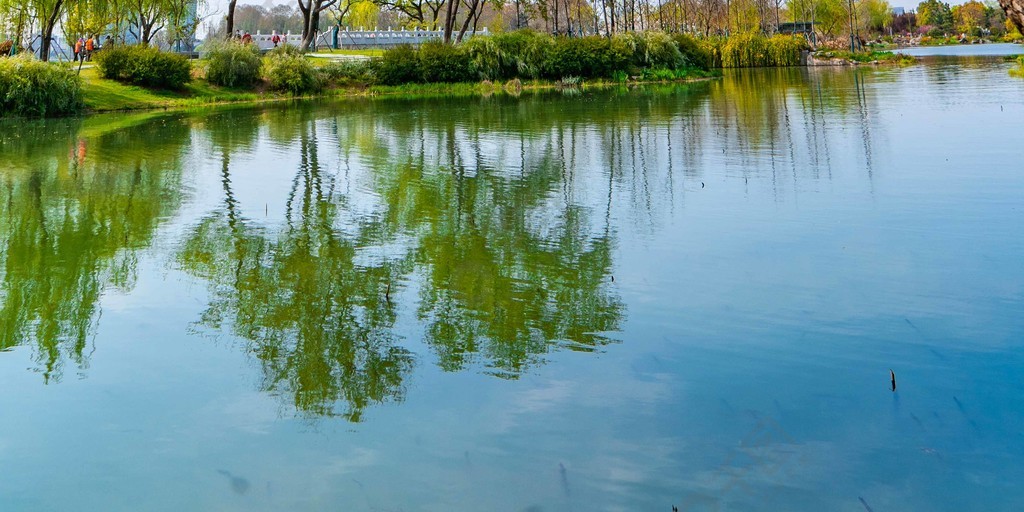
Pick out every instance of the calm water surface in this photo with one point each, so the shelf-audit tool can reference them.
(965, 50)
(620, 300)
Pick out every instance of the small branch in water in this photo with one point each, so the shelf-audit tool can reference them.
(893, 375)
(387, 294)
(866, 506)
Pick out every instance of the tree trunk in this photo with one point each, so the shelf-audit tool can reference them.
(47, 33)
(1014, 11)
(231, 19)
(309, 34)
(449, 20)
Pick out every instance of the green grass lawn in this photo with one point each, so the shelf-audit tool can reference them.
(372, 52)
(103, 95)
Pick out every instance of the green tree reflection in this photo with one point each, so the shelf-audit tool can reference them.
(71, 225)
(319, 323)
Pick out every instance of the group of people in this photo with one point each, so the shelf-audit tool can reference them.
(246, 38)
(84, 48)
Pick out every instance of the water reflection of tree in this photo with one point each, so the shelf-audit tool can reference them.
(319, 323)
(511, 267)
(71, 225)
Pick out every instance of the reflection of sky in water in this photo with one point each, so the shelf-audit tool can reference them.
(778, 241)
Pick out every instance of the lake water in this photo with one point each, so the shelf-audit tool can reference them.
(615, 300)
(965, 50)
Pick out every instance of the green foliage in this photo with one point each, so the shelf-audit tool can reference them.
(588, 57)
(936, 13)
(699, 53)
(531, 55)
(866, 57)
(144, 65)
(348, 73)
(655, 50)
(486, 58)
(1018, 71)
(232, 64)
(38, 89)
(286, 69)
(399, 65)
(522, 53)
(755, 50)
(439, 62)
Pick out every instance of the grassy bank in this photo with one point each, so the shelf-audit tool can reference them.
(102, 95)
(872, 57)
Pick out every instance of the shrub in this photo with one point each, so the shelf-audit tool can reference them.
(440, 62)
(699, 53)
(590, 56)
(6, 47)
(38, 89)
(655, 50)
(398, 65)
(486, 58)
(524, 53)
(744, 50)
(348, 72)
(1018, 71)
(144, 65)
(755, 50)
(660, 74)
(286, 69)
(514, 87)
(232, 64)
(786, 50)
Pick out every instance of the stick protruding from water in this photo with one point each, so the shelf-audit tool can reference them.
(893, 375)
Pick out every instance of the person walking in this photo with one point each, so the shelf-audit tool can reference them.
(78, 48)
(276, 39)
(89, 45)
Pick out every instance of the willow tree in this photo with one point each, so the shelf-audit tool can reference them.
(48, 13)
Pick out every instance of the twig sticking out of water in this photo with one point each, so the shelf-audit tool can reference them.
(387, 294)
(893, 375)
(866, 506)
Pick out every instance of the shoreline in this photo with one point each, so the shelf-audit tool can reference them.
(461, 89)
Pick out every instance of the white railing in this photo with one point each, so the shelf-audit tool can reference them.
(359, 38)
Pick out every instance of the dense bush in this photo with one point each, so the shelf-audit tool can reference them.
(38, 89)
(655, 50)
(348, 73)
(232, 64)
(529, 54)
(441, 62)
(486, 59)
(144, 65)
(589, 57)
(756, 50)
(399, 65)
(286, 69)
(523, 53)
(698, 53)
